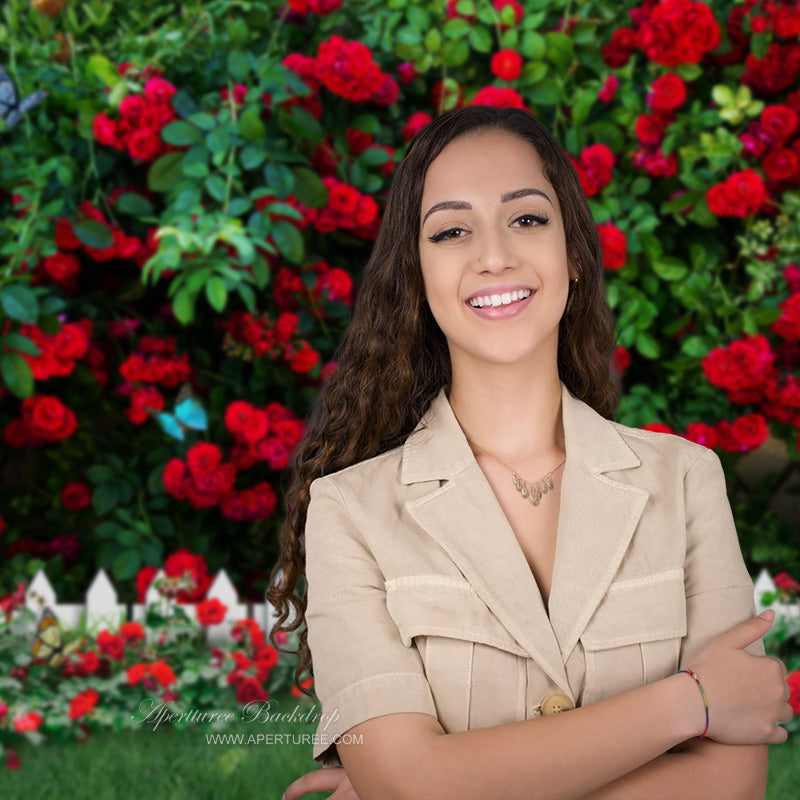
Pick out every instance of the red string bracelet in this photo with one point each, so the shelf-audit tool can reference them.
(696, 678)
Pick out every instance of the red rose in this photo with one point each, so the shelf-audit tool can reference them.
(144, 145)
(28, 722)
(679, 32)
(416, 122)
(250, 690)
(336, 284)
(658, 427)
(304, 359)
(143, 580)
(749, 432)
(111, 645)
(506, 65)
(743, 364)
(667, 93)
(622, 43)
(343, 198)
(614, 245)
(105, 130)
(740, 195)
(782, 165)
(158, 91)
(131, 631)
(779, 123)
(702, 434)
(245, 422)
(162, 672)
(211, 612)
(504, 97)
(203, 459)
(609, 89)
(65, 235)
(788, 325)
(649, 128)
(48, 417)
(785, 582)
(83, 703)
(519, 11)
(76, 495)
(61, 266)
(136, 673)
(794, 690)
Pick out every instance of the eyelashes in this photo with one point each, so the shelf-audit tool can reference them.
(454, 233)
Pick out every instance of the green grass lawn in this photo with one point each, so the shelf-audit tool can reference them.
(170, 764)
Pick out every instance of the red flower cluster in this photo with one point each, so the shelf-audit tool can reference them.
(155, 363)
(45, 419)
(595, 168)
(740, 195)
(203, 479)
(794, 690)
(251, 671)
(320, 7)
(111, 645)
(788, 324)
(157, 673)
(416, 122)
(332, 284)
(347, 69)
(57, 352)
(268, 434)
(614, 244)
(142, 116)
(678, 32)
(211, 612)
(83, 703)
(608, 90)
(347, 209)
(255, 335)
(768, 139)
(779, 69)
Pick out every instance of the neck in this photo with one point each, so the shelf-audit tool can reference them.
(511, 414)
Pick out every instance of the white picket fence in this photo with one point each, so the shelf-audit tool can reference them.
(103, 610)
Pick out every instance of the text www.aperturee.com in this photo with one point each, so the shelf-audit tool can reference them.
(282, 738)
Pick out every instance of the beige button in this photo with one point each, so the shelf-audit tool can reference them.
(555, 704)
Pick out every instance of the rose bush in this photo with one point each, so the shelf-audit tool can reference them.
(185, 214)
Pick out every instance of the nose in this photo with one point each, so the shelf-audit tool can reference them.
(494, 251)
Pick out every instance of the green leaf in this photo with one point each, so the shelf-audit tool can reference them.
(308, 188)
(252, 157)
(217, 293)
(100, 473)
(126, 565)
(102, 68)
(534, 72)
(533, 46)
(238, 65)
(93, 234)
(216, 187)
(134, 204)
(16, 341)
(647, 345)
(195, 162)
(19, 302)
(695, 346)
(105, 497)
(16, 374)
(456, 28)
(107, 530)
(182, 134)
(545, 94)
(280, 179)
(670, 269)
(301, 124)
(165, 172)
(480, 39)
(251, 127)
(218, 140)
(183, 306)
(560, 48)
(206, 122)
(455, 52)
(248, 296)
(289, 241)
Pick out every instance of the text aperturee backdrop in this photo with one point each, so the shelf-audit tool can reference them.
(185, 213)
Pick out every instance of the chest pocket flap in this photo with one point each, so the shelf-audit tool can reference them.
(638, 610)
(436, 605)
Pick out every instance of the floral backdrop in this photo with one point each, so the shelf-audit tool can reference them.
(189, 192)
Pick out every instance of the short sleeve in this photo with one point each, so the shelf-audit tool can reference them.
(719, 590)
(361, 667)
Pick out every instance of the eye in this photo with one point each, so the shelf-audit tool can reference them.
(450, 233)
(531, 220)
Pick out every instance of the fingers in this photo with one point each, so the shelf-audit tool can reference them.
(749, 631)
(318, 780)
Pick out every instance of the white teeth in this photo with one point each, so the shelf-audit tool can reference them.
(499, 299)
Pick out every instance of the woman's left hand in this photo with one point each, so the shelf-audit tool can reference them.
(327, 779)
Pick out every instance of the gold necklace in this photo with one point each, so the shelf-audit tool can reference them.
(533, 491)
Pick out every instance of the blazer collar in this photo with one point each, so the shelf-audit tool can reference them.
(597, 517)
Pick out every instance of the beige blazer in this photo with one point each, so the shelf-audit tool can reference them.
(421, 599)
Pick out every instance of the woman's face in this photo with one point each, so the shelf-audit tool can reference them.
(493, 251)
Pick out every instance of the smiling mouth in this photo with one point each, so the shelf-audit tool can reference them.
(496, 300)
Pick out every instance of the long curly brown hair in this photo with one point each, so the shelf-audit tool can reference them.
(393, 358)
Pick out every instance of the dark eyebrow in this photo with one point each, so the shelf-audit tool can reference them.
(461, 205)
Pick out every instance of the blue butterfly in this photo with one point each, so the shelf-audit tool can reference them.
(12, 109)
(188, 413)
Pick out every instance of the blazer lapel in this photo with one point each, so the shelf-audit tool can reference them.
(463, 516)
(598, 516)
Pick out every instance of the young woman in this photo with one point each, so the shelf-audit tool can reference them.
(502, 582)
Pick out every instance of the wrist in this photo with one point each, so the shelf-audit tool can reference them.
(687, 709)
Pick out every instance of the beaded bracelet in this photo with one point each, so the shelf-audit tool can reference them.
(696, 678)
